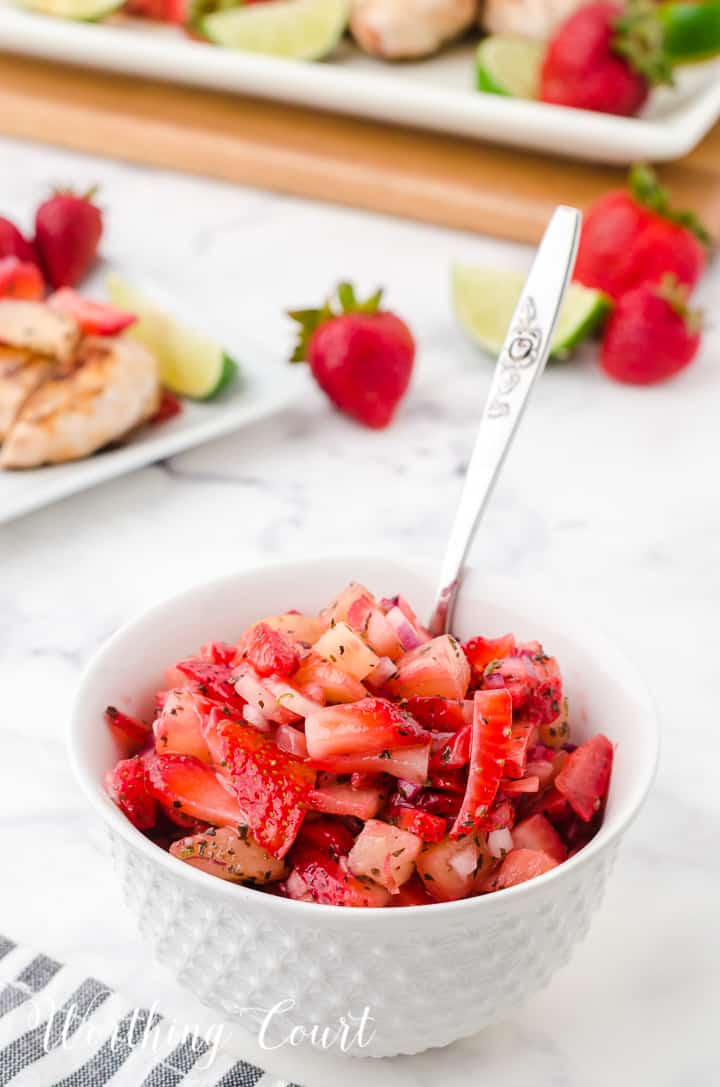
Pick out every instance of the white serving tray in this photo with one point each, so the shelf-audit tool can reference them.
(265, 384)
(435, 94)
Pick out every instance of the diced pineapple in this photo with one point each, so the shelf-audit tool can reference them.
(344, 648)
(438, 668)
(384, 854)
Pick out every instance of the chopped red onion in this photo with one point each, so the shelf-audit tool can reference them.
(406, 632)
(500, 842)
(381, 672)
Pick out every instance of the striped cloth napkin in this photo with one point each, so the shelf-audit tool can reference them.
(59, 1028)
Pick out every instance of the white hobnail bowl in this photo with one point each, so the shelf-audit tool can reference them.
(429, 975)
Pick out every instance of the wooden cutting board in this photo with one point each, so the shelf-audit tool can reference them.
(414, 174)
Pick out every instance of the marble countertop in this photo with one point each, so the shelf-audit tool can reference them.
(610, 494)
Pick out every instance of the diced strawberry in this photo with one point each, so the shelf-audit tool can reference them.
(328, 834)
(438, 668)
(329, 882)
(347, 651)
(533, 680)
(339, 610)
(500, 817)
(410, 763)
(554, 805)
(178, 728)
(538, 833)
(336, 685)
(517, 867)
(430, 828)
(451, 750)
(127, 786)
(271, 652)
(585, 776)
(385, 854)
(189, 789)
(367, 727)
(21, 279)
(169, 406)
(218, 652)
(517, 786)
(441, 714)
(439, 803)
(214, 681)
(448, 868)
(300, 629)
(131, 728)
(450, 781)
(368, 619)
(412, 893)
(483, 651)
(491, 735)
(94, 318)
(340, 798)
(517, 751)
(271, 786)
(229, 853)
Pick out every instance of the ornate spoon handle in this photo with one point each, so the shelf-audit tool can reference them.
(521, 361)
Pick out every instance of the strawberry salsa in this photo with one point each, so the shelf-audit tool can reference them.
(351, 759)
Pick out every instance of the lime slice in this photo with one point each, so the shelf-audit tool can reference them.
(484, 300)
(191, 364)
(508, 65)
(300, 29)
(88, 11)
(691, 32)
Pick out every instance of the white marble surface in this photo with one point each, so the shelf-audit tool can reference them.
(611, 494)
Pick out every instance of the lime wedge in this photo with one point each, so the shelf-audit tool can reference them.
(88, 11)
(191, 364)
(484, 300)
(509, 65)
(299, 29)
(691, 32)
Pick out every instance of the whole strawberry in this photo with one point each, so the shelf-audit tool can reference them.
(605, 57)
(633, 236)
(13, 244)
(650, 335)
(361, 356)
(68, 228)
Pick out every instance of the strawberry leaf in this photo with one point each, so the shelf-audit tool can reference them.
(310, 320)
(647, 191)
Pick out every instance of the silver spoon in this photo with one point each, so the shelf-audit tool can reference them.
(520, 363)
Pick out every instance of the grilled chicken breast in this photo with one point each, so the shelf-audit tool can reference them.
(110, 387)
(401, 29)
(37, 327)
(21, 372)
(528, 18)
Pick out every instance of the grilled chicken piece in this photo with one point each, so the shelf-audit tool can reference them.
(21, 373)
(528, 18)
(38, 328)
(111, 387)
(401, 29)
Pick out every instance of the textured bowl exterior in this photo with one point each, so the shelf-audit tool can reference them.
(427, 981)
(429, 975)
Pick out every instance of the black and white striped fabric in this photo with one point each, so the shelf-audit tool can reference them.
(59, 1028)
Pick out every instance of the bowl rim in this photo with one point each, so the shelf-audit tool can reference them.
(598, 645)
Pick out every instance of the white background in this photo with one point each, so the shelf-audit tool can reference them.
(610, 498)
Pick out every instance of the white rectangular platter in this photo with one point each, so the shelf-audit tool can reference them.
(264, 387)
(436, 94)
